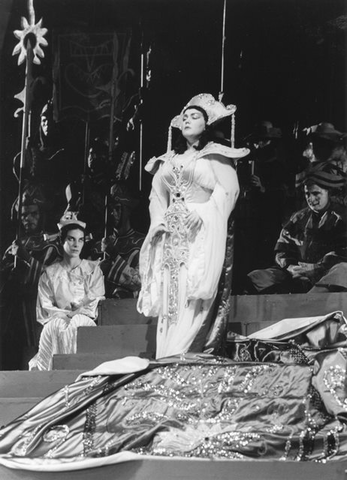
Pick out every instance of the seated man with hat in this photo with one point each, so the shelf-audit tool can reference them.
(325, 143)
(311, 252)
(261, 207)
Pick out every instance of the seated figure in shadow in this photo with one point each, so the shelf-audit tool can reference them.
(120, 251)
(261, 207)
(311, 252)
(20, 270)
(323, 145)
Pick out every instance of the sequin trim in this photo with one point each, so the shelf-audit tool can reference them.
(89, 430)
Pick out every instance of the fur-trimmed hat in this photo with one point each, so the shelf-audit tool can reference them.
(324, 174)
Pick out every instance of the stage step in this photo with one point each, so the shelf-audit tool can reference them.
(88, 361)
(123, 311)
(118, 335)
(120, 340)
(183, 469)
(21, 390)
(250, 313)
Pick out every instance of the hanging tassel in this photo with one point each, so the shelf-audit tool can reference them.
(232, 133)
(169, 139)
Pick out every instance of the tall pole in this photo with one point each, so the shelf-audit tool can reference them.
(111, 127)
(26, 111)
(25, 123)
(142, 84)
(29, 49)
(221, 91)
(31, 38)
(85, 159)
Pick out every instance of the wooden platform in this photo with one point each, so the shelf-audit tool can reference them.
(122, 331)
(250, 313)
(174, 469)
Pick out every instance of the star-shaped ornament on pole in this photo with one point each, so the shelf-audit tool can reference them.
(31, 38)
(31, 31)
(29, 49)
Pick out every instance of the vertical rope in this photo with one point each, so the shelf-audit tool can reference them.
(232, 133)
(169, 139)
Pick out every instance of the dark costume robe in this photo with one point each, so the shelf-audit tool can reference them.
(121, 265)
(316, 238)
(19, 282)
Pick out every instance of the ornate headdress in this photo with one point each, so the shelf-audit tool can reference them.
(70, 218)
(215, 110)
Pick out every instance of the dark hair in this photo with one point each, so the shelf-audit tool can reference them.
(180, 145)
(66, 229)
(200, 109)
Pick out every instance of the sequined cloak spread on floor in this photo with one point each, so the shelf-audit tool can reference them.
(196, 406)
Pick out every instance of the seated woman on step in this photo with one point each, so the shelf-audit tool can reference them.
(68, 296)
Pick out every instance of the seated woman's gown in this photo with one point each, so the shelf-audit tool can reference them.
(60, 292)
(180, 274)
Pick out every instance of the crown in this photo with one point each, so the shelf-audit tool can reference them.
(70, 218)
(215, 110)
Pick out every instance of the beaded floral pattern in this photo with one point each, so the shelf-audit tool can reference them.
(176, 247)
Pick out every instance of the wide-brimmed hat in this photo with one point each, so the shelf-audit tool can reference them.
(324, 174)
(215, 110)
(264, 130)
(327, 131)
(70, 218)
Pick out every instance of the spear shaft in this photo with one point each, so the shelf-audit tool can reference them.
(26, 112)
(221, 92)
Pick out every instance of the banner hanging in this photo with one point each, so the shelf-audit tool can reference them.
(89, 70)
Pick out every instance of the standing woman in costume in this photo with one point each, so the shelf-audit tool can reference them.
(68, 295)
(194, 190)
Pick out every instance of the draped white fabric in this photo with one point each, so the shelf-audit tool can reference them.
(66, 300)
(210, 187)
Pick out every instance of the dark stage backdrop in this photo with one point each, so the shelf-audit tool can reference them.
(284, 61)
